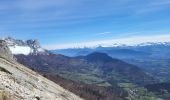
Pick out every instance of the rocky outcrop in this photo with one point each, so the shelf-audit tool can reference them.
(36, 47)
(5, 51)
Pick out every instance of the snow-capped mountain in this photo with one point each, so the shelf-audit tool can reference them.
(153, 44)
(24, 47)
(148, 49)
(124, 45)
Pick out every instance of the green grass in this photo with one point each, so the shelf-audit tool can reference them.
(86, 78)
(104, 84)
(127, 85)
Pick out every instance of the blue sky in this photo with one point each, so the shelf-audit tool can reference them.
(57, 23)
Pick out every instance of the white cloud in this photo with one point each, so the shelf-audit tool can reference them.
(128, 41)
(103, 33)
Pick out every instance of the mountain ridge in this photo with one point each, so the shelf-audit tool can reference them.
(27, 47)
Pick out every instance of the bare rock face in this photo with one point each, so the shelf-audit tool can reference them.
(20, 83)
(36, 47)
(5, 52)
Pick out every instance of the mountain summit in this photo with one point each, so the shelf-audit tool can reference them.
(28, 47)
(97, 56)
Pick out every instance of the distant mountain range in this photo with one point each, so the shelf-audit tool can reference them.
(151, 57)
(122, 51)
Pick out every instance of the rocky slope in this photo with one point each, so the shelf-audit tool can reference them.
(20, 83)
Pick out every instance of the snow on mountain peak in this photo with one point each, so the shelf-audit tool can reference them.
(24, 47)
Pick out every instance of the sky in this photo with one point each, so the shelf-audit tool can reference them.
(67, 23)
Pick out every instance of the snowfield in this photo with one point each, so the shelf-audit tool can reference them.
(20, 50)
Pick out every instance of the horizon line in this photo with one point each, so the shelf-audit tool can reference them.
(130, 41)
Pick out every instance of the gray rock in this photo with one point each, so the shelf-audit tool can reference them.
(5, 52)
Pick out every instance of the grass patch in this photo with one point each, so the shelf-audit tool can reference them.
(104, 84)
(127, 85)
(86, 78)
